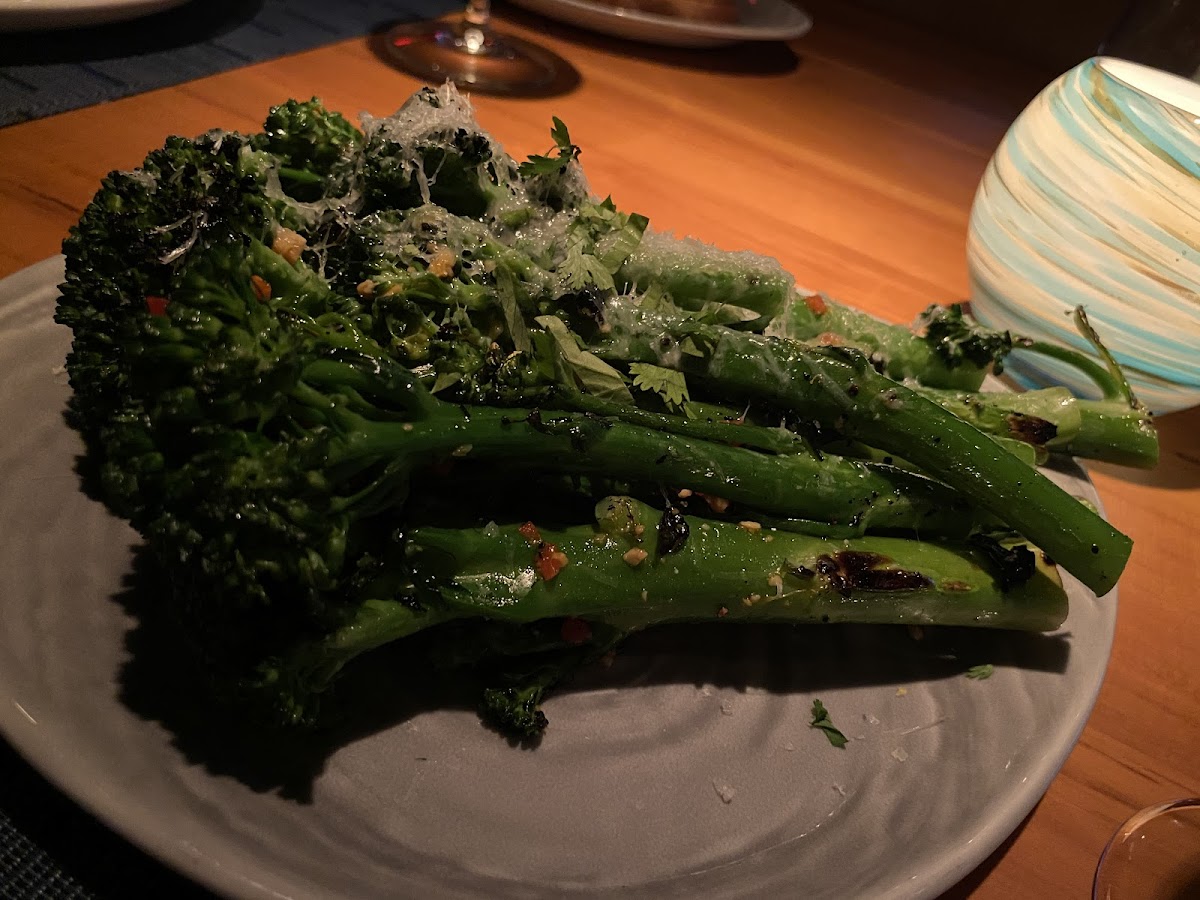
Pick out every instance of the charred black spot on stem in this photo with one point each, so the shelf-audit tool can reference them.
(1031, 429)
(672, 531)
(857, 570)
(1010, 566)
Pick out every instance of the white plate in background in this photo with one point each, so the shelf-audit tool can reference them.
(756, 20)
(31, 15)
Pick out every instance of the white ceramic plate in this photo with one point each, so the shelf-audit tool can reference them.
(757, 20)
(686, 769)
(27, 15)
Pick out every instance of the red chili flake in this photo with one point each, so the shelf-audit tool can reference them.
(530, 533)
(156, 306)
(722, 612)
(549, 561)
(816, 304)
(261, 288)
(576, 631)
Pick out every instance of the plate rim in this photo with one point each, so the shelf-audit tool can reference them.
(34, 15)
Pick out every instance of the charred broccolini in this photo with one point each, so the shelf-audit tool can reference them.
(286, 344)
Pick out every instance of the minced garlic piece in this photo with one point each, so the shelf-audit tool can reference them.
(289, 244)
(442, 263)
(635, 556)
(752, 527)
(366, 288)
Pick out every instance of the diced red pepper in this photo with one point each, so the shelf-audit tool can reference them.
(549, 561)
(156, 306)
(530, 533)
(576, 631)
(816, 304)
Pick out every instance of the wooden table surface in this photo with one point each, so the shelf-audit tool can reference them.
(852, 156)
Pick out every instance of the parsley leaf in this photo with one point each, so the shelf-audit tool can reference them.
(580, 270)
(821, 720)
(617, 245)
(713, 313)
(552, 165)
(445, 380)
(586, 370)
(667, 383)
(655, 299)
(562, 137)
(506, 290)
(981, 672)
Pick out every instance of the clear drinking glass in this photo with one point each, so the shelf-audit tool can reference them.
(1154, 855)
(473, 54)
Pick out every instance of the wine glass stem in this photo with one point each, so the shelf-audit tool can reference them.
(479, 13)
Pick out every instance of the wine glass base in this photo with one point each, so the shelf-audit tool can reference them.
(472, 56)
(1154, 855)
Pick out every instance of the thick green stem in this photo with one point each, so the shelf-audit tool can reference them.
(706, 428)
(292, 683)
(727, 572)
(1106, 430)
(798, 485)
(902, 353)
(615, 578)
(842, 390)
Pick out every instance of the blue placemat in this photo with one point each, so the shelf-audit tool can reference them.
(50, 849)
(42, 73)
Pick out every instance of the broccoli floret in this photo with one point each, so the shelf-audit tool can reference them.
(125, 251)
(317, 148)
(958, 340)
(432, 151)
(516, 710)
(401, 176)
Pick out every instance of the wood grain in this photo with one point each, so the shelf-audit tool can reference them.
(851, 156)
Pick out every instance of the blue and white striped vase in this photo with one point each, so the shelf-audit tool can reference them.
(1093, 198)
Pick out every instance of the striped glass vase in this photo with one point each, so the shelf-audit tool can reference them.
(1093, 199)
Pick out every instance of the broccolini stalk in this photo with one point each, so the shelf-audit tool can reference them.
(729, 571)
(827, 489)
(840, 388)
(1053, 418)
(695, 275)
(616, 575)
(901, 352)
